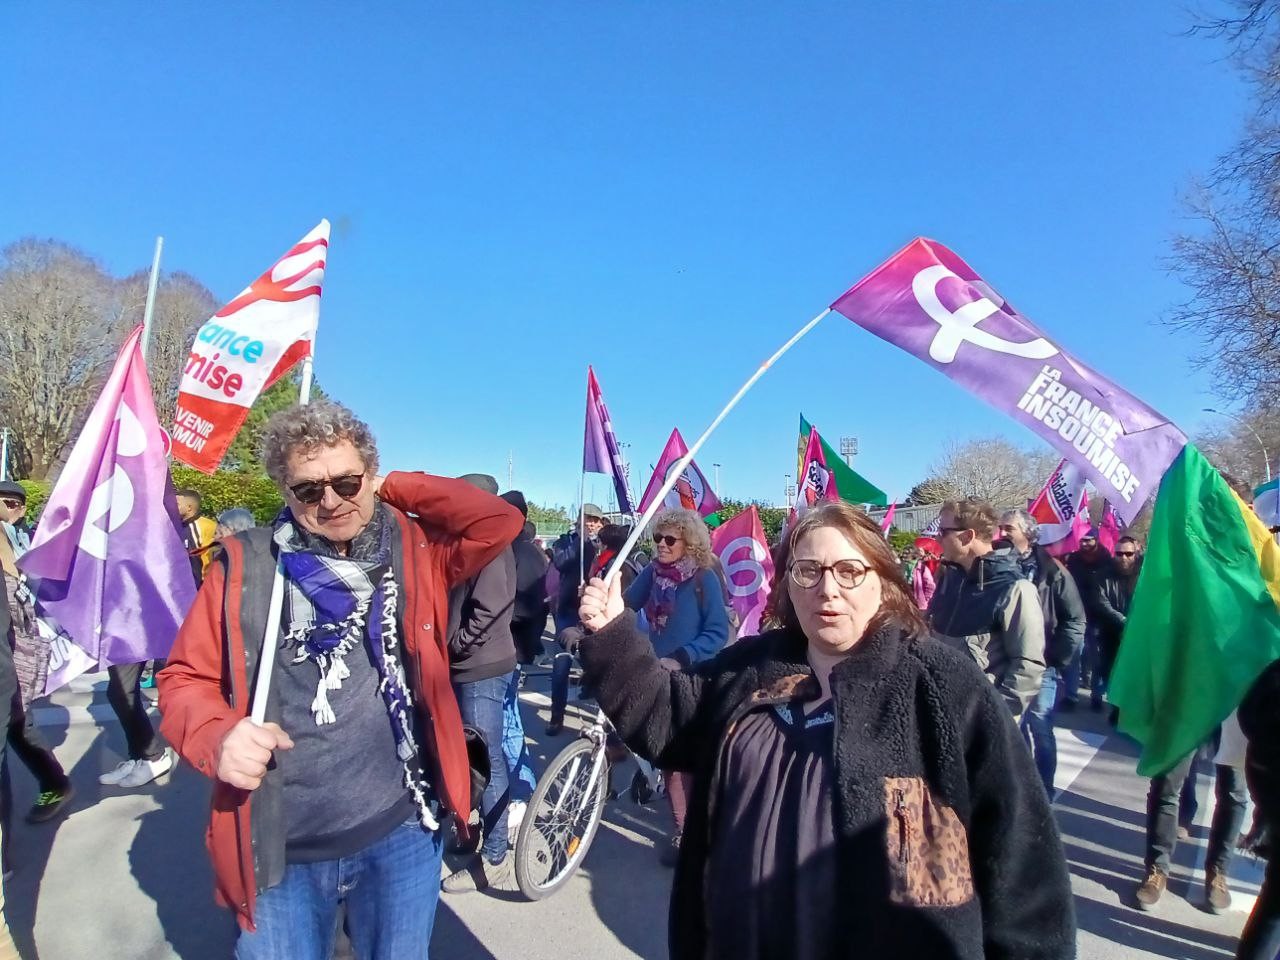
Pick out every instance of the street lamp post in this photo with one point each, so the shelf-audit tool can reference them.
(788, 490)
(1266, 460)
(848, 449)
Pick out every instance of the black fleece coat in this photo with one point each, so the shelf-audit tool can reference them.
(947, 847)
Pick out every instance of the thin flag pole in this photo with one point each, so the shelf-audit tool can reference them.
(582, 528)
(151, 300)
(675, 472)
(262, 685)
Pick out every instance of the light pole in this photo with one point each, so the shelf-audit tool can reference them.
(1266, 460)
(788, 491)
(848, 449)
(717, 466)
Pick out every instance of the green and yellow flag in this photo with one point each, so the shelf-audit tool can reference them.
(852, 487)
(1205, 618)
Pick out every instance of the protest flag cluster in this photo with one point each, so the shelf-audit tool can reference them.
(1205, 617)
(1062, 510)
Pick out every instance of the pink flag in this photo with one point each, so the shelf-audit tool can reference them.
(748, 566)
(691, 492)
(600, 451)
(887, 522)
(1062, 509)
(111, 568)
(817, 481)
(246, 347)
(1110, 528)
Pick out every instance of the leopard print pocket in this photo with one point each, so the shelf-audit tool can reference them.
(927, 846)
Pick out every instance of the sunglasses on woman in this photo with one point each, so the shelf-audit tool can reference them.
(668, 539)
(312, 491)
(848, 573)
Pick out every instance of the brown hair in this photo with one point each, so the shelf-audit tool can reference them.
(896, 602)
(973, 513)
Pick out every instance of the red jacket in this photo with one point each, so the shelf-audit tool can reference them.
(456, 531)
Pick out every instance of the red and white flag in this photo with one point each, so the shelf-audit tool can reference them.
(691, 492)
(246, 347)
(1062, 510)
(748, 566)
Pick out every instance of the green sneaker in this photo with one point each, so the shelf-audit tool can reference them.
(49, 804)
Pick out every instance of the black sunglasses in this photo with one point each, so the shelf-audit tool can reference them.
(1125, 553)
(312, 491)
(668, 539)
(943, 531)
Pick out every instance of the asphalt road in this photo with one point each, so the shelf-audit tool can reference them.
(125, 875)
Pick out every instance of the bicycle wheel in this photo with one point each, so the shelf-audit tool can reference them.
(561, 820)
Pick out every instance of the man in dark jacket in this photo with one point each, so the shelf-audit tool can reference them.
(573, 554)
(529, 617)
(482, 664)
(1085, 565)
(1111, 592)
(1063, 632)
(985, 607)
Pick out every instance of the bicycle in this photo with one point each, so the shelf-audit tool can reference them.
(564, 813)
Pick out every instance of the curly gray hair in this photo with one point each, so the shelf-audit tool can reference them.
(319, 424)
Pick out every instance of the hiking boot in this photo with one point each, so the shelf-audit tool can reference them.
(479, 874)
(669, 853)
(1151, 889)
(1216, 894)
(49, 804)
(144, 771)
(113, 777)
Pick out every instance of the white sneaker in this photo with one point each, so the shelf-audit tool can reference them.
(144, 771)
(515, 816)
(112, 778)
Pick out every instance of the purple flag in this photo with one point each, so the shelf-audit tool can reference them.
(600, 453)
(930, 303)
(111, 568)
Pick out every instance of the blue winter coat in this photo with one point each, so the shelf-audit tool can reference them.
(698, 626)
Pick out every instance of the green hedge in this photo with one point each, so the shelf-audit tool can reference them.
(227, 488)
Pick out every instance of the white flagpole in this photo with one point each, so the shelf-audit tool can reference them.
(151, 299)
(675, 472)
(582, 528)
(262, 685)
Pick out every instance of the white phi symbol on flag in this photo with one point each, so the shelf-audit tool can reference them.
(955, 328)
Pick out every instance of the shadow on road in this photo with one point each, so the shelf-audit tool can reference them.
(169, 860)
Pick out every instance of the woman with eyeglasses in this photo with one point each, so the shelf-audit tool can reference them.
(858, 789)
(683, 604)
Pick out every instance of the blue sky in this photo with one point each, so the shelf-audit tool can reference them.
(665, 190)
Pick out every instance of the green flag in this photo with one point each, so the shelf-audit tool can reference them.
(849, 483)
(1204, 620)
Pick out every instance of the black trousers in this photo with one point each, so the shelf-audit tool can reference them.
(1164, 799)
(130, 707)
(528, 637)
(21, 737)
(1260, 939)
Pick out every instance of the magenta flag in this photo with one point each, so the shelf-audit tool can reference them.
(600, 450)
(887, 522)
(691, 492)
(748, 566)
(1110, 529)
(817, 481)
(113, 573)
(932, 304)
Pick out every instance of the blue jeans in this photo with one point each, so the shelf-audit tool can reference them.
(1037, 727)
(1090, 655)
(390, 888)
(480, 704)
(513, 749)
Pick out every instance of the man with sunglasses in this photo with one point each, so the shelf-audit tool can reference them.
(340, 796)
(985, 607)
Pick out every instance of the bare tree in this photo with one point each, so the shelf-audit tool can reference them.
(988, 467)
(1229, 256)
(60, 327)
(183, 303)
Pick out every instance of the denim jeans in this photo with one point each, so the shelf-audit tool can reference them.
(1037, 727)
(1088, 656)
(521, 770)
(480, 704)
(390, 888)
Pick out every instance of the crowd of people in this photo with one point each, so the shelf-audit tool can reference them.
(875, 768)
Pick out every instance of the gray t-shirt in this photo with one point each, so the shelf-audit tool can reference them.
(343, 783)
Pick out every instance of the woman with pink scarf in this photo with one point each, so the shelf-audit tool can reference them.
(683, 603)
